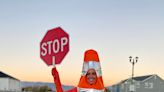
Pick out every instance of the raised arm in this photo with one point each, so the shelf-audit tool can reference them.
(57, 82)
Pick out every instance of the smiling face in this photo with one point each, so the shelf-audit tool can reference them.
(91, 76)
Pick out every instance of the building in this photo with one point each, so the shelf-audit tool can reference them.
(148, 83)
(9, 83)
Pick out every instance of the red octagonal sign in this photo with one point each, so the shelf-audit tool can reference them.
(54, 46)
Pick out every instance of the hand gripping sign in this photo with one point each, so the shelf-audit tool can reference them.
(54, 46)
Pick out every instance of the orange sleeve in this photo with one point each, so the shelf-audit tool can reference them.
(57, 82)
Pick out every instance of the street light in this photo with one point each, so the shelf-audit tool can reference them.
(133, 61)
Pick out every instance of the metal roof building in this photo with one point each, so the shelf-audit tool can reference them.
(9, 83)
(147, 83)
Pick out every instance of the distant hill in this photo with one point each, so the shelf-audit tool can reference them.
(50, 85)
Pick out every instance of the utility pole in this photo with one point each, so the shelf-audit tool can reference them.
(133, 61)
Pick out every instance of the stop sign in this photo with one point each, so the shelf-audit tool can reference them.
(54, 46)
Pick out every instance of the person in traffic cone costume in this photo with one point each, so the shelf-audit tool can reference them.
(91, 78)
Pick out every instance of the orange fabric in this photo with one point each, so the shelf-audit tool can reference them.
(91, 55)
(83, 83)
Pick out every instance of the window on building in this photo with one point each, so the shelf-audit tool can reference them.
(151, 85)
(138, 85)
(148, 85)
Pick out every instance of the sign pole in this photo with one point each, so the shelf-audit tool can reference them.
(53, 61)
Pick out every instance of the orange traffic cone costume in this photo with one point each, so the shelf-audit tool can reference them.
(91, 61)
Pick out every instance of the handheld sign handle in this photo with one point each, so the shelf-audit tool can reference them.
(53, 61)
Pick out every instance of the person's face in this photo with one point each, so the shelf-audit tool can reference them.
(91, 76)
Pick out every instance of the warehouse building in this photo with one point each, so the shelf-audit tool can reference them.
(148, 83)
(9, 83)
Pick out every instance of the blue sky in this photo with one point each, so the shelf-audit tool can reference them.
(115, 28)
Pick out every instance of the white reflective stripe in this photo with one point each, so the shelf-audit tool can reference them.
(89, 90)
(91, 65)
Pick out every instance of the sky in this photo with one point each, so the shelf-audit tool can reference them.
(116, 29)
